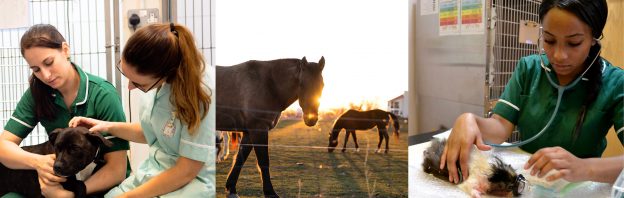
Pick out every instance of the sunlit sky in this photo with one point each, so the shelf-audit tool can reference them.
(364, 42)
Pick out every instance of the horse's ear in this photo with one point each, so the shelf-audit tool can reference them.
(322, 62)
(304, 60)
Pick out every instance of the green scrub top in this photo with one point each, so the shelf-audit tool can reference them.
(168, 139)
(529, 101)
(96, 98)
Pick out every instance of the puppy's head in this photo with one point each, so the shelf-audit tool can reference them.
(504, 180)
(75, 148)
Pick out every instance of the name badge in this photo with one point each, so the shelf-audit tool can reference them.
(169, 129)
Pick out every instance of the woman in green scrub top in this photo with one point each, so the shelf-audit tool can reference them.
(575, 140)
(60, 90)
(177, 115)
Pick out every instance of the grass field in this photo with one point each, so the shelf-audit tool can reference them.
(301, 168)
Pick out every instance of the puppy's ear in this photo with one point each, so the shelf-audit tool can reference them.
(52, 136)
(97, 138)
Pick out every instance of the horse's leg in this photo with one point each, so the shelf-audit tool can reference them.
(387, 139)
(357, 147)
(240, 158)
(261, 141)
(381, 137)
(344, 146)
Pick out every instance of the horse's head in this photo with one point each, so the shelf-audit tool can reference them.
(310, 89)
(333, 140)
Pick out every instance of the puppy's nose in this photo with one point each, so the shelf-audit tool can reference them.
(57, 167)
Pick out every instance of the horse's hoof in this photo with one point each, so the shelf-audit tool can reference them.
(233, 195)
(343, 150)
(272, 196)
(357, 150)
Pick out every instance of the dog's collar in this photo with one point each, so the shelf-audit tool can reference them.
(97, 152)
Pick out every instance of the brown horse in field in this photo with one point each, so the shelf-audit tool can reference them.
(363, 120)
(250, 99)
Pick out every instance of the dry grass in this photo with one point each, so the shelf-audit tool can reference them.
(313, 172)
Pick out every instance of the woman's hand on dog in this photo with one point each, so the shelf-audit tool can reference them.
(92, 124)
(54, 190)
(569, 167)
(48, 182)
(464, 134)
(45, 171)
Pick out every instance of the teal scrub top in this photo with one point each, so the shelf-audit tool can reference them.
(168, 139)
(529, 101)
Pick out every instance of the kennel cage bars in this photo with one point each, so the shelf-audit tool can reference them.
(198, 17)
(86, 27)
(503, 47)
(92, 28)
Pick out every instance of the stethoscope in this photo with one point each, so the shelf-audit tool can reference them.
(560, 90)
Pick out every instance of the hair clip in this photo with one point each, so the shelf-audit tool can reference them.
(173, 29)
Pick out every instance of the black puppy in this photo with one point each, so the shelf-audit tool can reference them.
(75, 149)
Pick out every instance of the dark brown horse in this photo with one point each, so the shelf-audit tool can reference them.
(362, 120)
(250, 99)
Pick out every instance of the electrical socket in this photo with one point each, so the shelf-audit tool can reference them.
(144, 16)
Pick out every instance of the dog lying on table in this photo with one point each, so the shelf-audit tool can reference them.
(77, 151)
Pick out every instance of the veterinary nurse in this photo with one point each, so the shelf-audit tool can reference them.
(177, 116)
(60, 90)
(575, 140)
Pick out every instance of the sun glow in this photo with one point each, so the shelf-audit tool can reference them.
(365, 49)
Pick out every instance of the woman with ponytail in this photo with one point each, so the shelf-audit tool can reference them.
(176, 118)
(574, 142)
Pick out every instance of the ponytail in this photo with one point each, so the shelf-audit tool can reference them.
(189, 93)
(168, 50)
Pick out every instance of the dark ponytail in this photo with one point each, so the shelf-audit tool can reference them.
(42, 35)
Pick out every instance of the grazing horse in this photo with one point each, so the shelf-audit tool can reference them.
(250, 99)
(362, 120)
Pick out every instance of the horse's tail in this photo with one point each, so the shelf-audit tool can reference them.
(395, 122)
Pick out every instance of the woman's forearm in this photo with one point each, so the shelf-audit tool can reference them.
(170, 180)
(127, 131)
(111, 174)
(14, 157)
(495, 129)
(605, 170)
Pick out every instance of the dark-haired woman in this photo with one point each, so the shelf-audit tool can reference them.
(60, 90)
(573, 143)
(177, 117)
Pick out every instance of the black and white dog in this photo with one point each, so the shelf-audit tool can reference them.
(75, 149)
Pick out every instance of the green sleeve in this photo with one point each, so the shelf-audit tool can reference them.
(508, 106)
(109, 108)
(618, 115)
(24, 118)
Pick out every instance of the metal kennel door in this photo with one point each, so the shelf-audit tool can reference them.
(503, 48)
(86, 25)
